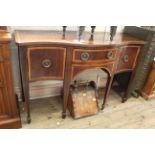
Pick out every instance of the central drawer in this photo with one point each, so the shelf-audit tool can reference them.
(46, 63)
(82, 55)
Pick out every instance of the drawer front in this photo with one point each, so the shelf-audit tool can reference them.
(46, 63)
(78, 68)
(128, 58)
(82, 55)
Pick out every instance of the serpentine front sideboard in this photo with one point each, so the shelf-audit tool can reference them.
(49, 55)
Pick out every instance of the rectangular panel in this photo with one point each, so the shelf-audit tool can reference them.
(3, 96)
(81, 55)
(128, 58)
(46, 63)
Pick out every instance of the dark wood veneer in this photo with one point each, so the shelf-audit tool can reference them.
(131, 53)
(55, 58)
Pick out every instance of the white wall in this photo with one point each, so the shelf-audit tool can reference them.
(50, 88)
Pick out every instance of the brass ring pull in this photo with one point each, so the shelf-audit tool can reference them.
(85, 56)
(46, 63)
(126, 58)
(109, 55)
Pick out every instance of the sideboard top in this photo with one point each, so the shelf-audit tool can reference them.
(30, 37)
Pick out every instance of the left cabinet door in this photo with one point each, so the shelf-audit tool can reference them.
(9, 116)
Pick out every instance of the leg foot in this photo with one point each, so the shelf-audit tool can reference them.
(28, 119)
(124, 99)
(63, 115)
(102, 108)
(135, 94)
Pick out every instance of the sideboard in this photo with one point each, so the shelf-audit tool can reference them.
(51, 55)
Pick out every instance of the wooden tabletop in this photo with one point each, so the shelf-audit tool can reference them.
(30, 37)
(5, 36)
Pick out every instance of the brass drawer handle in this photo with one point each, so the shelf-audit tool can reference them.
(85, 56)
(109, 55)
(126, 58)
(46, 63)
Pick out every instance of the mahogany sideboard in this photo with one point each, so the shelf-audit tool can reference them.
(9, 114)
(50, 55)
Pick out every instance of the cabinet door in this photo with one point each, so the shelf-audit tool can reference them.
(4, 103)
(9, 117)
(128, 58)
(46, 63)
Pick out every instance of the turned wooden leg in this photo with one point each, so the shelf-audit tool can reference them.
(108, 86)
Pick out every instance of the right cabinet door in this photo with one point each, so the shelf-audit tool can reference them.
(127, 58)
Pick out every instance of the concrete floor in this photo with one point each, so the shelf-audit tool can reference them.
(135, 113)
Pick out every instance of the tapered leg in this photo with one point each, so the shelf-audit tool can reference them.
(108, 86)
(20, 73)
(25, 82)
(27, 104)
(65, 98)
(127, 92)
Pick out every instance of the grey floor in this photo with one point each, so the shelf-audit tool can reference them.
(135, 113)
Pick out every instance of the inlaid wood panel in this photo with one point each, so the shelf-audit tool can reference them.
(94, 55)
(46, 63)
(128, 58)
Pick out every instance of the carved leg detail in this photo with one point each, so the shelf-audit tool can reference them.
(108, 86)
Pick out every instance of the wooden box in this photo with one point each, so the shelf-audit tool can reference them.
(82, 100)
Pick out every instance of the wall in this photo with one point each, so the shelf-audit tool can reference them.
(51, 88)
